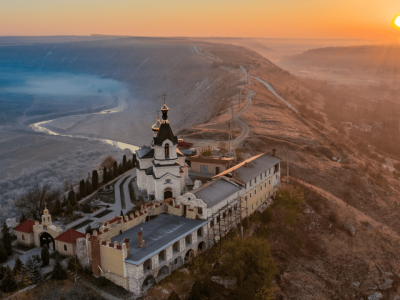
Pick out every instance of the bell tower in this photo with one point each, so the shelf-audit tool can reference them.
(46, 217)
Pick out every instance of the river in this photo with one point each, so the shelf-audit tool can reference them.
(122, 105)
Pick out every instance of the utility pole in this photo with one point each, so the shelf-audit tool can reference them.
(229, 139)
(232, 116)
(240, 213)
(220, 235)
(287, 172)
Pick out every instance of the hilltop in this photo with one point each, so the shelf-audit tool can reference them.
(357, 190)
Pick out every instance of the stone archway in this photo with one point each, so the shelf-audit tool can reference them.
(164, 272)
(189, 256)
(202, 247)
(46, 239)
(168, 193)
(148, 282)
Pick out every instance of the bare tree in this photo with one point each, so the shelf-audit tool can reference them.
(31, 204)
(108, 162)
(66, 185)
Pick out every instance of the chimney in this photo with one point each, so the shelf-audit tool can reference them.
(141, 241)
(127, 246)
(273, 152)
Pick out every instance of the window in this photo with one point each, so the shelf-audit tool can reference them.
(252, 206)
(250, 182)
(255, 180)
(250, 194)
(255, 191)
(212, 223)
(245, 197)
(23, 237)
(260, 176)
(65, 247)
(166, 150)
(261, 186)
(200, 210)
(199, 232)
(218, 219)
(269, 181)
(265, 173)
(265, 184)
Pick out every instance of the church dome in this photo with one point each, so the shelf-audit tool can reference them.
(156, 126)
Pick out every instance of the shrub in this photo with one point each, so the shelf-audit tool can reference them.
(86, 208)
(45, 255)
(9, 284)
(7, 239)
(3, 254)
(206, 151)
(59, 272)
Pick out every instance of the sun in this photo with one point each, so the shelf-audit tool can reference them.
(396, 22)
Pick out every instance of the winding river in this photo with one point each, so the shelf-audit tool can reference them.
(122, 105)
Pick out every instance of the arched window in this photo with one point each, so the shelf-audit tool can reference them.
(166, 150)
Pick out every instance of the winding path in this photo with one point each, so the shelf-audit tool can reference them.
(275, 93)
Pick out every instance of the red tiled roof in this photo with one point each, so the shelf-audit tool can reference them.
(26, 226)
(115, 220)
(70, 236)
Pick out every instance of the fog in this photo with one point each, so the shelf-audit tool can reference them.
(58, 83)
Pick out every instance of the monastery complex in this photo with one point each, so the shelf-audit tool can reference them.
(178, 220)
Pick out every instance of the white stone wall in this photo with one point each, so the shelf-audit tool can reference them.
(160, 171)
(159, 151)
(160, 186)
(136, 275)
(141, 179)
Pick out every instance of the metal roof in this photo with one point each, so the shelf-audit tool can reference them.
(216, 191)
(145, 152)
(255, 166)
(165, 133)
(158, 234)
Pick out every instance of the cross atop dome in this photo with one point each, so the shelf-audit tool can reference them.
(46, 211)
(164, 110)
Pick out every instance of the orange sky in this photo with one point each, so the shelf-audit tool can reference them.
(366, 19)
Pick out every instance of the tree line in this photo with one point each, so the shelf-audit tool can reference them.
(31, 203)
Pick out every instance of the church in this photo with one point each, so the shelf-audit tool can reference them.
(137, 251)
(161, 169)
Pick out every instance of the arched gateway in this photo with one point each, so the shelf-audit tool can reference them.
(46, 239)
(167, 193)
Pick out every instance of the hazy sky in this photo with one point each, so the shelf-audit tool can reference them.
(252, 18)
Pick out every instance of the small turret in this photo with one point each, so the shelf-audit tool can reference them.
(156, 127)
(46, 218)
